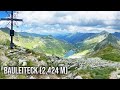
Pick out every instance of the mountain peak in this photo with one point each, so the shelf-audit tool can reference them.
(6, 30)
(109, 40)
(104, 32)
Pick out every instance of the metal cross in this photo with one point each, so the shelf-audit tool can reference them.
(11, 31)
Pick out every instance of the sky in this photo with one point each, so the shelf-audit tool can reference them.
(62, 22)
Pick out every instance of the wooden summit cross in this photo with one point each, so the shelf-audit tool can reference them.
(11, 30)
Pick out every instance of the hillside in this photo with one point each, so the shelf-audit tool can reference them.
(46, 44)
(90, 42)
(20, 56)
(108, 49)
(87, 45)
(109, 40)
(108, 53)
(95, 45)
(4, 38)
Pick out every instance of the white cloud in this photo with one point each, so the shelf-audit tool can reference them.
(83, 29)
(50, 17)
(67, 21)
(4, 24)
(41, 17)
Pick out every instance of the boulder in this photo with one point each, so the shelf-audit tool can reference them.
(21, 61)
(12, 63)
(69, 76)
(31, 77)
(118, 76)
(11, 76)
(24, 64)
(61, 65)
(46, 77)
(42, 63)
(78, 77)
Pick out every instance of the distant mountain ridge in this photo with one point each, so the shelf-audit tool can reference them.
(91, 42)
(6, 30)
(30, 34)
(74, 37)
(117, 34)
(101, 42)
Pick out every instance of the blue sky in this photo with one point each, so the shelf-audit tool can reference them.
(3, 14)
(61, 22)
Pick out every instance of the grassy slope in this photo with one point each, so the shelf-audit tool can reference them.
(89, 43)
(46, 45)
(4, 38)
(108, 53)
(97, 73)
(53, 46)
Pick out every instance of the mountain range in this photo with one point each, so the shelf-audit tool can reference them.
(74, 37)
(108, 49)
(104, 45)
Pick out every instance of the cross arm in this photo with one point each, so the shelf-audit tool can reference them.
(7, 19)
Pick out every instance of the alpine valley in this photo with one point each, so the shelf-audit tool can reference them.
(87, 55)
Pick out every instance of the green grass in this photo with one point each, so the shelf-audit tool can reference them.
(54, 47)
(30, 63)
(45, 45)
(2, 76)
(97, 73)
(84, 46)
(4, 38)
(42, 57)
(21, 77)
(30, 51)
(108, 53)
(111, 56)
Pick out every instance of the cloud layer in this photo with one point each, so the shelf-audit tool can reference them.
(53, 22)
